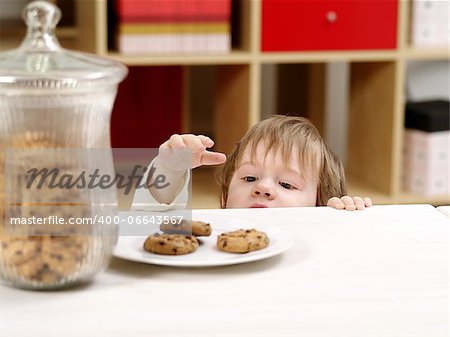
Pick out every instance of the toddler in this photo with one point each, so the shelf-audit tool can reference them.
(281, 162)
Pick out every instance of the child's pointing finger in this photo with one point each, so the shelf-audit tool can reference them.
(212, 158)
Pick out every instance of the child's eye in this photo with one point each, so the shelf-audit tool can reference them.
(249, 179)
(287, 186)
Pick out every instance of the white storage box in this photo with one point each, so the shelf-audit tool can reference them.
(426, 162)
(430, 25)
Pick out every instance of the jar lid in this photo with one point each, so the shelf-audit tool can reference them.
(40, 63)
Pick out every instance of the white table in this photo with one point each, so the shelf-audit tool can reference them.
(445, 210)
(378, 272)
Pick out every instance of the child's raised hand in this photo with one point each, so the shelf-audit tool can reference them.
(348, 203)
(175, 153)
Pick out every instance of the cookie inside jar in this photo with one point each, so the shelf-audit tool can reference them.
(39, 248)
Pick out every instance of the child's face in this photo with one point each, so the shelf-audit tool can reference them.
(269, 183)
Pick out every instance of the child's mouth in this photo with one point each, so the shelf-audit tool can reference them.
(258, 206)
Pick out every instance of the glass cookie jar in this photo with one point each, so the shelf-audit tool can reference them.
(55, 110)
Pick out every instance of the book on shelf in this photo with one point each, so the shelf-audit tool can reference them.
(173, 26)
(193, 10)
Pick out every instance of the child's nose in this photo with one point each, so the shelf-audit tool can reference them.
(263, 190)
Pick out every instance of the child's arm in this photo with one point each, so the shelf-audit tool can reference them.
(348, 203)
(171, 162)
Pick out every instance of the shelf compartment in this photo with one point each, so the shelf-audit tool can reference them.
(148, 107)
(217, 97)
(241, 25)
(296, 89)
(232, 105)
(371, 124)
(92, 22)
(239, 35)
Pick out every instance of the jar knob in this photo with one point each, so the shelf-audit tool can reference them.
(41, 17)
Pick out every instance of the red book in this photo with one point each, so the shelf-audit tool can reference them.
(178, 19)
(172, 9)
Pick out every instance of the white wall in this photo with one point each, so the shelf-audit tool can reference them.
(336, 107)
(268, 89)
(428, 80)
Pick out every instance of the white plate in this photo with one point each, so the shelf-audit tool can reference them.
(207, 255)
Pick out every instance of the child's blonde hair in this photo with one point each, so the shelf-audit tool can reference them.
(286, 134)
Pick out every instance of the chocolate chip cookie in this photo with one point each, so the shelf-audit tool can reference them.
(47, 259)
(187, 227)
(242, 241)
(171, 244)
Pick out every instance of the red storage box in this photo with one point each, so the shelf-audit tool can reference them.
(294, 25)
